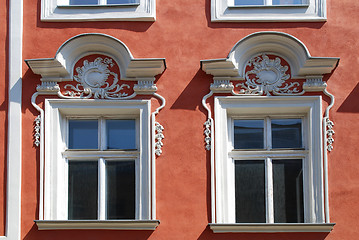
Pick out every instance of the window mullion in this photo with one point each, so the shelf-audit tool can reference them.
(268, 135)
(268, 2)
(102, 189)
(269, 191)
(102, 2)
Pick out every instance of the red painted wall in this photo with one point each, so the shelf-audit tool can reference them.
(184, 35)
(3, 111)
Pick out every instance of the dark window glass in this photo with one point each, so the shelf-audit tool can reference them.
(83, 2)
(288, 191)
(286, 133)
(248, 134)
(83, 134)
(121, 134)
(248, 2)
(82, 196)
(121, 1)
(250, 191)
(288, 2)
(120, 189)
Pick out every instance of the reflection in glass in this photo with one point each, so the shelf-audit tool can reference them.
(83, 2)
(248, 2)
(286, 133)
(289, 2)
(250, 191)
(121, 134)
(120, 189)
(82, 195)
(288, 191)
(83, 134)
(248, 134)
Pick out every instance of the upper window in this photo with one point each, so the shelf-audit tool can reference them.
(100, 10)
(268, 10)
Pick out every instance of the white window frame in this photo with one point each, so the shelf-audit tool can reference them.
(308, 107)
(56, 165)
(60, 10)
(227, 11)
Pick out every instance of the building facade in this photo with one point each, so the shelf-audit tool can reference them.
(144, 119)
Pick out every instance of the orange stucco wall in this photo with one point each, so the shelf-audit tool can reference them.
(184, 35)
(3, 112)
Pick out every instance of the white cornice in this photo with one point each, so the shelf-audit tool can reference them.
(277, 43)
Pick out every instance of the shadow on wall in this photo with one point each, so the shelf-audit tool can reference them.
(191, 96)
(350, 104)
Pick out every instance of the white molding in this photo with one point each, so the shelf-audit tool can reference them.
(271, 228)
(55, 188)
(225, 11)
(14, 129)
(302, 64)
(51, 11)
(93, 224)
(309, 106)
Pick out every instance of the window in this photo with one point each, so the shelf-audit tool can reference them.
(101, 186)
(268, 188)
(268, 10)
(98, 159)
(268, 167)
(98, 10)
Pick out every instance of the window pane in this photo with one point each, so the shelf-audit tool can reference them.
(286, 133)
(248, 2)
(120, 189)
(83, 134)
(121, 1)
(121, 134)
(248, 134)
(250, 192)
(288, 191)
(82, 190)
(289, 2)
(83, 2)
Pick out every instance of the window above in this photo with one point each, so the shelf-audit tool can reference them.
(98, 10)
(268, 10)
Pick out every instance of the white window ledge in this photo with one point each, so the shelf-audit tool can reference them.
(270, 228)
(97, 224)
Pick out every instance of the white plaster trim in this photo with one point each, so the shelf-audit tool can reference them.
(14, 151)
(53, 12)
(94, 224)
(271, 228)
(290, 48)
(225, 11)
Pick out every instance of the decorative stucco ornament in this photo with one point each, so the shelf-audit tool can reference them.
(37, 130)
(207, 133)
(267, 77)
(330, 132)
(93, 81)
(158, 138)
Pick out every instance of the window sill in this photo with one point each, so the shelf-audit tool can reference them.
(270, 228)
(97, 224)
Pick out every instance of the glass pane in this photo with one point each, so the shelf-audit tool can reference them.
(286, 133)
(248, 2)
(288, 191)
(248, 134)
(250, 192)
(83, 134)
(82, 190)
(121, 1)
(120, 189)
(121, 134)
(83, 2)
(289, 2)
